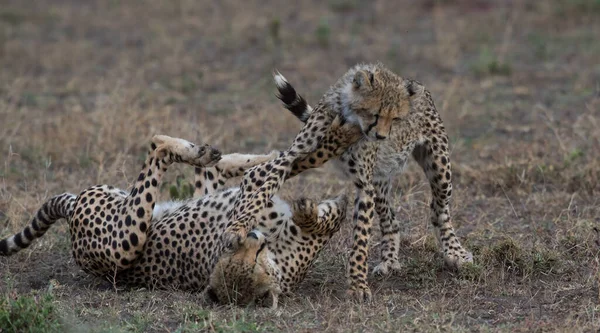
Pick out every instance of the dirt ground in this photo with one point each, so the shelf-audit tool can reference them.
(85, 84)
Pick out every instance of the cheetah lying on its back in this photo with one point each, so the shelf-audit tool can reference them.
(125, 236)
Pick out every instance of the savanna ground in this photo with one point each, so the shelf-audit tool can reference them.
(85, 84)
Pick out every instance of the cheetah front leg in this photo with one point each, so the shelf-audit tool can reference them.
(207, 180)
(359, 162)
(261, 182)
(337, 141)
(435, 161)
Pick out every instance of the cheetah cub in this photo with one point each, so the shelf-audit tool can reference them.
(369, 98)
(130, 239)
(416, 130)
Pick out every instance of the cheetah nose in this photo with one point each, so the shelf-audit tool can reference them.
(379, 136)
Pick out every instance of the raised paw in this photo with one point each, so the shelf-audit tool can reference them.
(234, 236)
(361, 293)
(345, 133)
(201, 156)
(184, 151)
(458, 258)
(386, 267)
(304, 213)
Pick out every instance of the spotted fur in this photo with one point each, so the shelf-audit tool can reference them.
(130, 239)
(372, 165)
(368, 98)
(109, 226)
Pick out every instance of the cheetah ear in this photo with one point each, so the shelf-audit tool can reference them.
(363, 80)
(410, 87)
(161, 151)
(159, 139)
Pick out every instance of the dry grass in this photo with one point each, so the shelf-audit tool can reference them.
(84, 85)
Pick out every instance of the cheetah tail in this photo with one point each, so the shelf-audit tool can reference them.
(290, 98)
(59, 206)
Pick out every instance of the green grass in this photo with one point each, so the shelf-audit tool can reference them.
(488, 63)
(32, 312)
(323, 32)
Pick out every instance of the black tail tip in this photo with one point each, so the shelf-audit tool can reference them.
(3, 247)
(286, 93)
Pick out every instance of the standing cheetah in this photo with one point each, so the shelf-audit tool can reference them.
(419, 132)
(371, 98)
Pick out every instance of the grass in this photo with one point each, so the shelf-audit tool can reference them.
(84, 86)
(29, 312)
(323, 32)
(489, 64)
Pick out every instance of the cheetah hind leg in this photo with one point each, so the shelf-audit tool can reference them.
(436, 165)
(390, 229)
(322, 218)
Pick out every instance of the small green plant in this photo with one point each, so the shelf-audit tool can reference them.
(28, 313)
(506, 254)
(544, 261)
(539, 44)
(323, 32)
(489, 64)
(181, 190)
(421, 270)
(573, 156)
(139, 322)
(471, 271)
(274, 30)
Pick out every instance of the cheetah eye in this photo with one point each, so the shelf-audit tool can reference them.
(202, 151)
(371, 78)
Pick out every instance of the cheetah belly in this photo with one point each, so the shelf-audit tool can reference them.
(184, 241)
(164, 208)
(274, 217)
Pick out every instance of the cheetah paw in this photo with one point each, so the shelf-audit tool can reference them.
(456, 260)
(234, 236)
(361, 294)
(386, 267)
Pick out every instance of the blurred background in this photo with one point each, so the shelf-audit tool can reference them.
(85, 84)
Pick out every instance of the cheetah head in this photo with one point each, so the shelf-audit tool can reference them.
(374, 97)
(245, 274)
